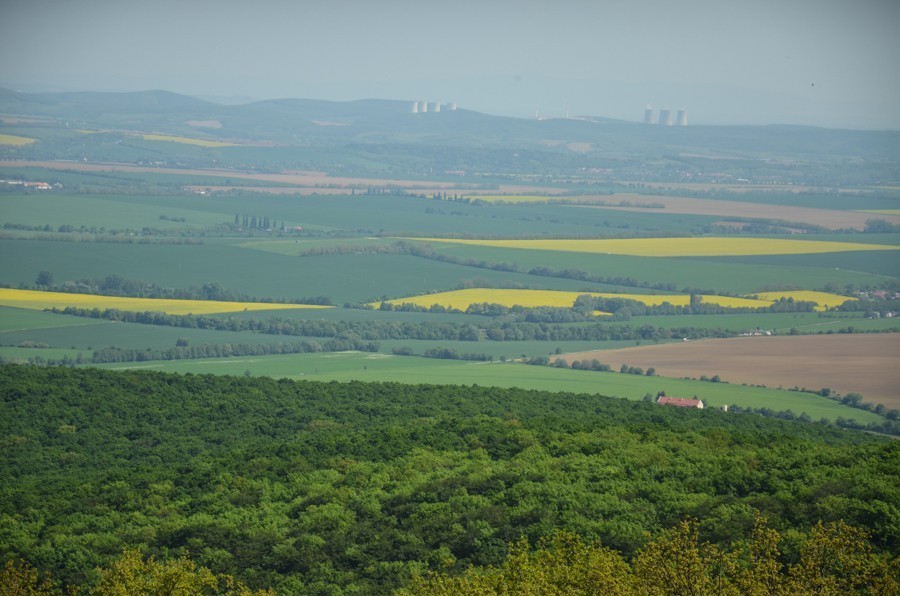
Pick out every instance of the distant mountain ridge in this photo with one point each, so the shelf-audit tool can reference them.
(379, 124)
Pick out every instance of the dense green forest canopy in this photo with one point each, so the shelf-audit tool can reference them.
(318, 487)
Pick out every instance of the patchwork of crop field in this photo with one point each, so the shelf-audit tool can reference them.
(36, 300)
(462, 299)
(677, 247)
(187, 141)
(15, 140)
(823, 300)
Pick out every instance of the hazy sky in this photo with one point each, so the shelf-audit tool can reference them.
(830, 63)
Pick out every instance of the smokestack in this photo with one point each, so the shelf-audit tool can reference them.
(415, 107)
(665, 117)
(682, 117)
(648, 115)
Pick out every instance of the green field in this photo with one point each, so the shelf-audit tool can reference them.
(708, 273)
(805, 322)
(347, 366)
(22, 319)
(109, 212)
(880, 263)
(17, 354)
(354, 278)
(508, 349)
(396, 215)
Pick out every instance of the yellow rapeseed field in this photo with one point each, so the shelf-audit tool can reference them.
(15, 140)
(187, 141)
(677, 247)
(822, 299)
(461, 299)
(36, 300)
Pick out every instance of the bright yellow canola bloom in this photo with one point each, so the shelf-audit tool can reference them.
(461, 299)
(15, 140)
(822, 299)
(677, 247)
(36, 300)
(187, 141)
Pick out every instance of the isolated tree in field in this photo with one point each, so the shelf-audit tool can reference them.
(44, 278)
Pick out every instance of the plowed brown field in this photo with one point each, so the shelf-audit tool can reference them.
(868, 364)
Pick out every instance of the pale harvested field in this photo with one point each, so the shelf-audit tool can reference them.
(295, 178)
(707, 246)
(15, 140)
(828, 218)
(868, 364)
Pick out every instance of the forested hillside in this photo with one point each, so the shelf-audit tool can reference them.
(313, 487)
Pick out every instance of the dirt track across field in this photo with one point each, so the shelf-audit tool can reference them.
(828, 218)
(868, 364)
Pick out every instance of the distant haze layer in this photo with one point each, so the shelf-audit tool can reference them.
(816, 62)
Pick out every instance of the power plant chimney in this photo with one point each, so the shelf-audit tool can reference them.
(648, 115)
(665, 117)
(682, 118)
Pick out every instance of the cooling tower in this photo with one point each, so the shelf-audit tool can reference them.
(648, 115)
(682, 118)
(665, 117)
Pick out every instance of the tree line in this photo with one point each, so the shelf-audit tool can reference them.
(374, 330)
(117, 285)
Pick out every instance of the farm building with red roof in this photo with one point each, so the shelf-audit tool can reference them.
(681, 402)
